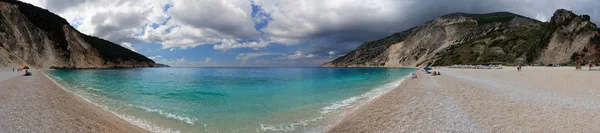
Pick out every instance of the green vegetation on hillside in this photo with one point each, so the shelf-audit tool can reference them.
(503, 46)
(113, 52)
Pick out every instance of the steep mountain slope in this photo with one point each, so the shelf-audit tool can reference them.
(33, 36)
(501, 37)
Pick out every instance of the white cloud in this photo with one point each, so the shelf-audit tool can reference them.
(180, 60)
(118, 21)
(154, 57)
(331, 54)
(183, 62)
(188, 23)
(297, 55)
(284, 40)
(232, 44)
(128, 46)
(244, 57)
(204, 22)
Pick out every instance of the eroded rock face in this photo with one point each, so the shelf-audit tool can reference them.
(499, 38)
(574, 34)
(55, 44)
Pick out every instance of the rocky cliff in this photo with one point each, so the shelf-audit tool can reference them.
(498, 38)
(33, 36)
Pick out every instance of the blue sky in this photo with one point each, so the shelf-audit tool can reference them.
(298, 33)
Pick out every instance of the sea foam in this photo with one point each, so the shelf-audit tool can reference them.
(94, 89)
(144, 124)
(361, 98)
(166, 114)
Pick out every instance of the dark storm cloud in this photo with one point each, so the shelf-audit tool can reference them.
(322, 48)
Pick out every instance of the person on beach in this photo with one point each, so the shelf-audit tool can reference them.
(519, 68)
(27, 73)
(413, 75)
(591, 65)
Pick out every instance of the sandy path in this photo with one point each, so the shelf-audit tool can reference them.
(535, 100)
(36, 104)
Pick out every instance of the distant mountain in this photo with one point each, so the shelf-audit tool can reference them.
(30, 35)
(162, 65)
(499, 38)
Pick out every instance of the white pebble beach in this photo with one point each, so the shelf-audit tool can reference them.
(37, 104)
(538, 99)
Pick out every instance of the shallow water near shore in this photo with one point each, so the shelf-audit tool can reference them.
(229, 99)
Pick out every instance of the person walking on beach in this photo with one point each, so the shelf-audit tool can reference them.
(519, 68)
(591, 65)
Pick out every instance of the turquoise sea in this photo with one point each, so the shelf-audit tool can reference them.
(229, 99)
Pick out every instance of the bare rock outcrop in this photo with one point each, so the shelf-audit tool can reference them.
(33, 36)
(575, 34)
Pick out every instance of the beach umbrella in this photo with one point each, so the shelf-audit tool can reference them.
(427, 68)
(25, 67)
